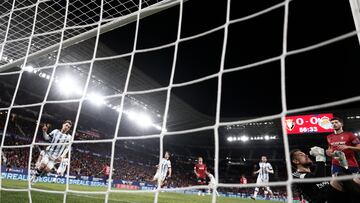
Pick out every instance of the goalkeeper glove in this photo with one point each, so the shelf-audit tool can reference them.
(340, 156)
(318, 153)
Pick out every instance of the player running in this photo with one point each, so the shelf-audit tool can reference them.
(163, 170)
(54, 153)
(263, 176)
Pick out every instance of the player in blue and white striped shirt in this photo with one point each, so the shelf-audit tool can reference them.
(54, 153)
(265, 169)
(164, 170)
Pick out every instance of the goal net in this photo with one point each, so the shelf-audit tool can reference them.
(230, 82)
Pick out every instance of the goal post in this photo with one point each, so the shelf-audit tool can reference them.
(138, 106)
(108, 26)
(355, 9)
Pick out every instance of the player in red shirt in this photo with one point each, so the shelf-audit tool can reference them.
(343, 141)
(200, 171)
(106, 172)
(243, 179)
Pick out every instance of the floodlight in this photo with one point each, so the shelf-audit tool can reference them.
(68, 85)
(28, 68)
(96, 99)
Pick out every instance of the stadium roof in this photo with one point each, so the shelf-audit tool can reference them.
(246, 93)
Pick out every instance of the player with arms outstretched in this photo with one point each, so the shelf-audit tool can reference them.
(265, 169)
(54, 153)
(163, 170)
(341, 144)
(326, 191)
(200, 171)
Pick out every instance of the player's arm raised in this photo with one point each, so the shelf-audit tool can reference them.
(318, 153)
(46, 136)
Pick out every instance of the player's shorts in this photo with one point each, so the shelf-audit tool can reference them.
(48, 161)
(201, 181)
(260, 180)
(105, 177)
(335, 169)
(160, 176)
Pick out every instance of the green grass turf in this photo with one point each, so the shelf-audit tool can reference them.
(42, 197)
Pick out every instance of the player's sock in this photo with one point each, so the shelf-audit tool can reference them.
(271, 193)
(44, 173)
(32, 178)
(38, 172)
(255, 193)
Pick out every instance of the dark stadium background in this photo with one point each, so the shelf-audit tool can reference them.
(322, 75)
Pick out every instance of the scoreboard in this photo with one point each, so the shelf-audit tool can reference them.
(314, 123)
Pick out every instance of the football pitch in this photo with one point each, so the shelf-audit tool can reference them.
(42, 197)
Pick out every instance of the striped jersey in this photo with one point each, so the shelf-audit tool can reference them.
(165, 164)
(264, 168)
(57, 137)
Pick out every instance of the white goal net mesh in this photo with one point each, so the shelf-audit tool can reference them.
(56, 64)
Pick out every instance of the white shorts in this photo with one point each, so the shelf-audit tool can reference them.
(160, 176)
(48, 161)
(260, 180)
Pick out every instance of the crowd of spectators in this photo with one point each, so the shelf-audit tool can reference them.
(131, 164)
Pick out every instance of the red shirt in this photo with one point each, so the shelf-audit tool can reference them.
(200, 170)
(344, 138)
(243, 180)
(106, 170)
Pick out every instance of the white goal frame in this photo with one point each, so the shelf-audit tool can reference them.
(108, 26)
